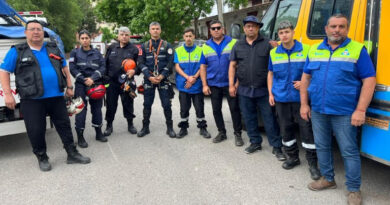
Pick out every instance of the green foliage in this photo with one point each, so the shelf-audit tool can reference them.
(173, 15)
(107, 35)
(65, 17)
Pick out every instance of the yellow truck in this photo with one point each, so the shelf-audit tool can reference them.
(369, 24)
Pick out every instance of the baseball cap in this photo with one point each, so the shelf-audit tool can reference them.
(252, 19)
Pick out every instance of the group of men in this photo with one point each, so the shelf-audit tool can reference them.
(325, 89)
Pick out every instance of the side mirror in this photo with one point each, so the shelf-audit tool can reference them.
(235, 31)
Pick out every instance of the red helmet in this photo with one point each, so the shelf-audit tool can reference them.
(74, 106)
(96, 92)
(128, 64)
(141, 89)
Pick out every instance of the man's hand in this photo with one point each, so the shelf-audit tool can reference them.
(188, 85)
(69, 92)
(305, 112)
(273, 43)
(154, 80)
(271, 100)
(130, 73)
(297, 84)
(10, 101)
(88, 81)
(206, 90)
(358, 118)
(232, 91)
(191, 79)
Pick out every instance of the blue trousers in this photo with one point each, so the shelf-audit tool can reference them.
(96, 108)
(248, 108)
(346, 137)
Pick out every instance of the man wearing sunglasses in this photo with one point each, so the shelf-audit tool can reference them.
(214, 74)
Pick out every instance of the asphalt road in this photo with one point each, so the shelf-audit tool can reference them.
(159, 170)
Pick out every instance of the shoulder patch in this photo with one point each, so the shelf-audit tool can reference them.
(71, 60)
(170, 51)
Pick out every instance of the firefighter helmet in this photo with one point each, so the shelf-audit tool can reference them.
(74, 106)
(96, 92)
(128, 64)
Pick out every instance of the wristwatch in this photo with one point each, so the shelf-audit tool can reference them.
(69, 87)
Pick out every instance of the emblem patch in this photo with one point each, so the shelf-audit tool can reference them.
(170, 51)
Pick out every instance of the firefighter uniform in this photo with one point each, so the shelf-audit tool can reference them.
(114, 57)
(156, 59)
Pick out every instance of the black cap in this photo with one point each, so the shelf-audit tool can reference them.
(252, 19)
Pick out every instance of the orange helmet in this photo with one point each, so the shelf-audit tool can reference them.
(128, 64)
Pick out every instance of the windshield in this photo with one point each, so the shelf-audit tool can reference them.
(322, 10)
(279, 11)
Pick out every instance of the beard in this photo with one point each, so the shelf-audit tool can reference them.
(335, 40)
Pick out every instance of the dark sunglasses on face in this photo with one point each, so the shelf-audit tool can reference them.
(216, 28)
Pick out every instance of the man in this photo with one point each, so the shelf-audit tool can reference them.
(188, 83)
(115, 55)
(156, 64)
(41, 76)
(214, 74)
(284, 75)
(340, 79)
(87, 66)
(249, 62)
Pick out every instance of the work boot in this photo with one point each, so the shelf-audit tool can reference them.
(170, 132)
(130, 127)
(253, 148)
(322, 184)
(203, 131)
(183, 132)
(109, 129)
(238, 139)
(99, 135)
(354, 198)
(43, 161)
(315, 173)
(75, 157)
(144, 131)
(291, 163)
(80, 138)
(220, 137)
(278, 154)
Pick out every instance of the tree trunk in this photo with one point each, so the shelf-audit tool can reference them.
(197, 35)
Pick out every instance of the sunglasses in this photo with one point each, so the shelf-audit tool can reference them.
(216, 28)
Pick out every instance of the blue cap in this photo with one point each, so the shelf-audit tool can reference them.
(252, 19)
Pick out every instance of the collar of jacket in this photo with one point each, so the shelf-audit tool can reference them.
(226, 40)
(296, 48)
(326, 46)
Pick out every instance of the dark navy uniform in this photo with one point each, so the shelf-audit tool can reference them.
(114, 57)
(157, 59)
(84, 64)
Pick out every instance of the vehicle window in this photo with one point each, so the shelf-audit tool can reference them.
(372, 24)
(322, 10)
(286, 10)
(8, 21)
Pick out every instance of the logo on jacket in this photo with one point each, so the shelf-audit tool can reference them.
(299, 54)
(345, 53)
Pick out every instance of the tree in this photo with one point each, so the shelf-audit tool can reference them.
(173, 15)
(65, 17)
(107, 35)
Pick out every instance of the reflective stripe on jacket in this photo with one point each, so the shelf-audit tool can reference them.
(335, 85)
(286, 69)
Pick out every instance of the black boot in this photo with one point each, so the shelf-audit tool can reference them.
(144, 131)
(291, 162)
(43, 161)
(220, 137)
(75, 157)
(109, 129)
(203, 131)
(315, 173)
(238, 139)
(80, 138)
(183, 132)
(130, 127)
(170, 132)
(99, 135)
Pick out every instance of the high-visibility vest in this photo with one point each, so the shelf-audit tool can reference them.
(189, 63)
